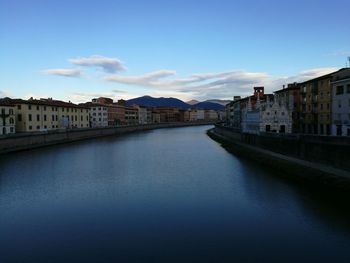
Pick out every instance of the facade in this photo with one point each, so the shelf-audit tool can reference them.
(290, 97)
(116, 115)
(316, 103)
(142, 114)
(268, 115)
(275, 116)
(48, 114)
(233, 112)
(169, 114)
(341, 105)
(7, 118)
(115, 112)
(98, 114)
(131, 116)
(210, 115)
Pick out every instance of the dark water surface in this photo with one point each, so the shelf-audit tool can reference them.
(168, 195)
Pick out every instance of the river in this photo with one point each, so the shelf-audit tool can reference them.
(167, 195)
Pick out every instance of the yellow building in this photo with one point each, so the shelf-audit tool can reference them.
(49, 114)
(316, 104)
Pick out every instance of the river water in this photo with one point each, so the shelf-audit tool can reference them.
(167, 195)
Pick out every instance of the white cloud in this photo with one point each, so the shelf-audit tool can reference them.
(110, 65)
(63, 72)
(149, 80)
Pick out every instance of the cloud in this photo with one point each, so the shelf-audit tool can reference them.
(63, 72)
(149, 80)
(110, 65)
(201, 84)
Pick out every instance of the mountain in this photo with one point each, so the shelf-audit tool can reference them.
(208, 106)
(149, 101)
(192, 102)
(222, 102)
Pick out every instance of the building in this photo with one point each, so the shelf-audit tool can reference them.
(48, 114)
(233, 112)
(341, 103)
(275, 115)
(269, 114)
(210, 115)
(169, 114)
(316, 104)
(131, 116)
(7, 117)
(98, 114)
(116, 115)
(290, 97)
(251, 118)
(142, 114)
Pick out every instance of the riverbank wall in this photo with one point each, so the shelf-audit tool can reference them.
(308, 159)
(25, 141)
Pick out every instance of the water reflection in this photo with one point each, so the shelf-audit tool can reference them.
(163, 195)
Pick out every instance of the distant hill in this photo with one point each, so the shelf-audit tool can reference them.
(192, 102)
(149, 101)
(222, 102)
(208, 106)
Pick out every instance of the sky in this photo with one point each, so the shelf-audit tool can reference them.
(77, 50)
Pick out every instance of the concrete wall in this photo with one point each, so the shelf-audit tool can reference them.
(329, 150)
(25, 141)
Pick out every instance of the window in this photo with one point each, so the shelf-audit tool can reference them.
(11, 111)
(53, 118)
(12, 121)
(19, 117)
(37, 107)
(339, 90)
(29, 107)
(327, 106)
(56, 117)
(19, 107)
(321, 106)
(38, 127)
(45, 117)
(348, 88)
(30, 127)
(30, 118)
(45, 127)
(11, 129)
(62, 109)
(38, 117)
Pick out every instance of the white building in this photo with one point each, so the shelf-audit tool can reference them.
(268, 116)
(275, 116)
(341, 106)
(98, 115)
(7, 119)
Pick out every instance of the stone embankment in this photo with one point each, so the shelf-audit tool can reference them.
(24, 141)
(308, 159)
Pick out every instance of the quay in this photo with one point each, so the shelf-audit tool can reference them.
(26, 141)
(309, 159)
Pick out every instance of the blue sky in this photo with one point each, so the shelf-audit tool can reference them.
(78, 50)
